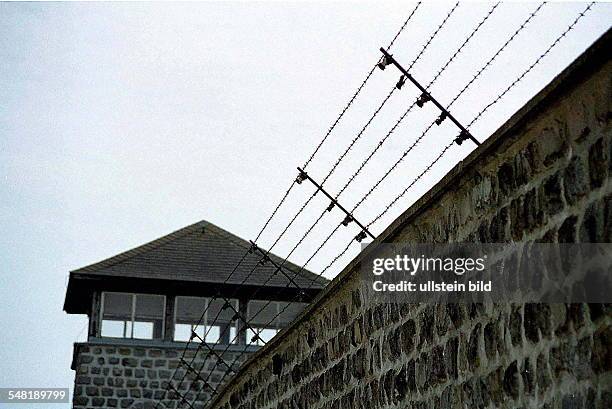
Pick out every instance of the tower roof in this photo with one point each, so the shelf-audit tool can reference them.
(196, 255)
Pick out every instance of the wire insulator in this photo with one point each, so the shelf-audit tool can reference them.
(384, 61)
(347, 220)
(264, 260)
(401, 82)
(463, 136)
(331, 206)
(441, 118)
(425, 97)
(302, 176)
(359, 237)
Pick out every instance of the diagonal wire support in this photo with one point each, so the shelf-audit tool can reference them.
(370, 73)
(531, 16)
(303, 177)
(279, 268)
(334, 203)
(426, 97)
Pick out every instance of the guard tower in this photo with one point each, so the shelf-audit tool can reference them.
(144, 305)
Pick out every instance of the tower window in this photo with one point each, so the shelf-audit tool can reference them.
(138, 316)
(267, 318)
(209, 319)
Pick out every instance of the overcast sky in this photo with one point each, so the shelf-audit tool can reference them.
(121, 122)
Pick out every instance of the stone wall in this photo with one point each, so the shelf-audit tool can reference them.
(123, 376)
(543, 176)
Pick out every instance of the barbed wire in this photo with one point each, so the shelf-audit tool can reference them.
(378, 146)
(404, 25)
(495, 100)
(283, 199)
(501, 49)
(363, 83)
(536, 62)
(433, 35)
(360, 134)
(415, 180)
(447, 147)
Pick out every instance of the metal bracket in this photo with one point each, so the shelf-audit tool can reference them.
(349, 217)
(426, 96)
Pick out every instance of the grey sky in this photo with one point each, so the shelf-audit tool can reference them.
(123, 122)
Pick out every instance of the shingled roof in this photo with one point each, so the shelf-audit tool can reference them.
(199, 253)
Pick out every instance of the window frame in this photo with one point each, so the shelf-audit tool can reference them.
(275, 325)
(204, 323)
(133, 316)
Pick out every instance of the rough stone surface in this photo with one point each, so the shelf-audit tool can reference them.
(545, 178)
(136, 377)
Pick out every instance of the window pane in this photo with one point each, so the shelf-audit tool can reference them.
(200, 330)
(143, 330)
(112, 328)
(212, 334)
(182, 332)
(149, 307)
(218, 315)
(149, 316)
(189, 309)
(290, 311)
(267, 334)
(117, 306)
(264, 335)
(261, 312)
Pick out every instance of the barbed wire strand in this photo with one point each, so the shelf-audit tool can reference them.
(501, 95)
(428, 168)
(433, 35)
(334, 167)
(501, 49)
(363, 83)
(358, 136)
(283, 199)
(437, 75)
(536, 62)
